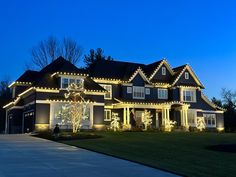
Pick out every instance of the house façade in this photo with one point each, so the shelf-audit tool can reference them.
(111, 86)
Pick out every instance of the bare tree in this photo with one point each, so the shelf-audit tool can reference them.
(71, 50)
(50, 49)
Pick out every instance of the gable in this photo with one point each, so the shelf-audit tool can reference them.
(191, 81)
(159, 77)
(137, 74)
(138, 80)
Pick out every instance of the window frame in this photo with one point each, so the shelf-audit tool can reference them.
(163, 70)
(69, 79)
(159, 95)
(193, 95)
(135, 92)
(186, 75)
(105, 114)
(129, 90)
(108, 91)
(147, 91)
(210, 118)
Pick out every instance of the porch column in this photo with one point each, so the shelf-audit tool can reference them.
(124, 115)
(165, 115)
(184, 116)
(128, 116)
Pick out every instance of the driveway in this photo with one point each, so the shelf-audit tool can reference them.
(26, 156)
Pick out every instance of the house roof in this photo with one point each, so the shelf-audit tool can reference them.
(28, 76)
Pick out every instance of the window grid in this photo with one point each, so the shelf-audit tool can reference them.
(210, 120)
(138, 92)
(162, 93)
(189, 95)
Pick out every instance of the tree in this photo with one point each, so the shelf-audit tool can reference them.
(5, 96)
(115, 125)
(94, 56)
(75, 111)
(50, 49)
(229, 103)
(169, 125)
(4, 89)
(201, 125)
(147, 119)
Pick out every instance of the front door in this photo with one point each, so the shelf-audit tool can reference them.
(29, 122)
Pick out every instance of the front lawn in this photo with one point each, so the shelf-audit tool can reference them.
(182, 153)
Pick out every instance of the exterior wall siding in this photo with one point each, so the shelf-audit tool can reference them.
(42, 114)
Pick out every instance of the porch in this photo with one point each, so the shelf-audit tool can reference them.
(162, 113)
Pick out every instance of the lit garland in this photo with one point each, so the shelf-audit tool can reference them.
(69, 74)
(20, 83)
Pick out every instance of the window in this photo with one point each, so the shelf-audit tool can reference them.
(210, 120)
(186, 75)
(129, 89)
(71, 81)
(147, 91)
(162, 93)
(189, 95)
(107, 115)
(138, 92)
(163, 69)
(108, 88)
(65, 83)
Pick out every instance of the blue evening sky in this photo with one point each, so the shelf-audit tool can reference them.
(201, 33)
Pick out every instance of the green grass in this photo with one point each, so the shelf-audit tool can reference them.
(182, 153)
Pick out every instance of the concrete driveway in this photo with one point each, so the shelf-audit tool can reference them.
(26, 156)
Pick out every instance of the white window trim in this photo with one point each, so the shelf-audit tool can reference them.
(129, 90)
(105, 85)
(69, 78)
(105, 115)
(206, 116)
(159, 96)
(147, 91)
(163, 70)
(186, 75)
(191, 90)
(134, 97)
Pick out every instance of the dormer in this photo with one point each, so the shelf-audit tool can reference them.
(184, 76)
(162, 72)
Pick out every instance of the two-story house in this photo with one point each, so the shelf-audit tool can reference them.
(111, 86)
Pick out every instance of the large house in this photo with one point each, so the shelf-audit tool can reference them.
(111, 86)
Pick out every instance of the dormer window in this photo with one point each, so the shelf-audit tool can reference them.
(186, 75)
(163, 69)
(66, 81)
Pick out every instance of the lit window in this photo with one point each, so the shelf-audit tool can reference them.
(189, 95)
(129, 89)
(186, 75)
(138, 92)
(108, 88)
(162, 93)
(163, 70)
(147, 91)
(107, 115)
(210, 120)
(65, 83)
